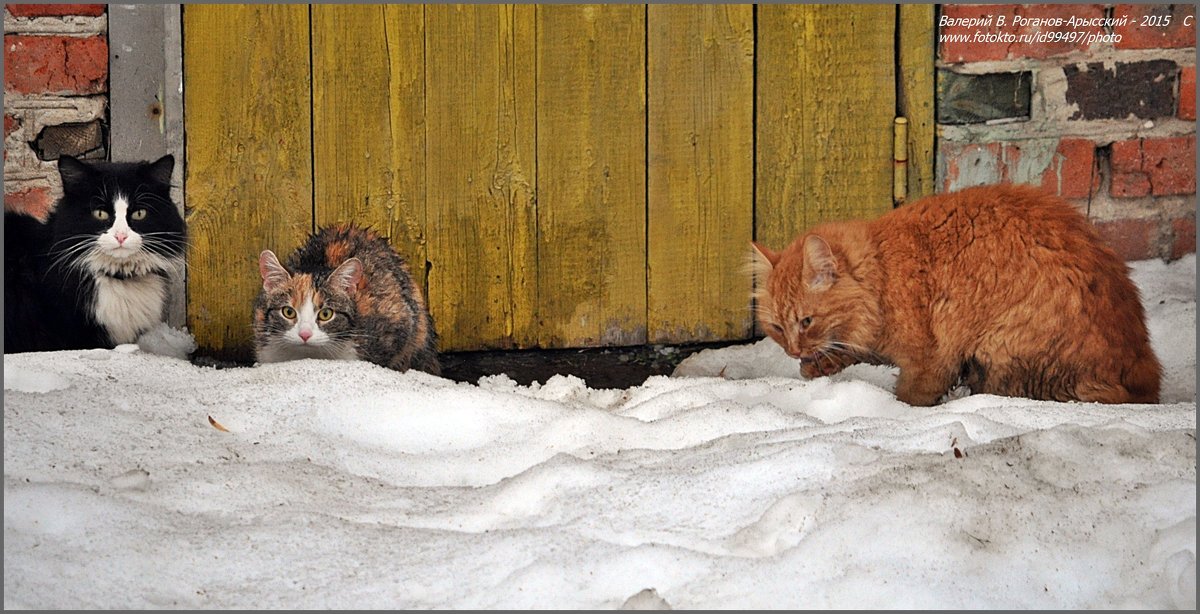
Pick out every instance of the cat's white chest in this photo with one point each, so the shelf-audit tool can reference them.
(128, 307)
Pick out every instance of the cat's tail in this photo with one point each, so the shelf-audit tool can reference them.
(1144, 379)
(1139, 383)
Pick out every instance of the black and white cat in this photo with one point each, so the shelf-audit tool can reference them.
(96, 273)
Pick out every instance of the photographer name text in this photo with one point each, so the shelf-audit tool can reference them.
(1072, 29)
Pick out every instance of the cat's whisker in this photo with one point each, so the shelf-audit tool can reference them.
(856, 350)
(68, 251)
(72, 242)
(165, 236)
(159, 249)
(69, 256)
(347, 335)
(81, 253)
(842, 345)
(166, 249)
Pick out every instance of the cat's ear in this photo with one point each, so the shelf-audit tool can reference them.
(760, 262)
(764, 252)
(160, 170)
(820, 266)
(347, 276)
(72, 171)
(273, 273)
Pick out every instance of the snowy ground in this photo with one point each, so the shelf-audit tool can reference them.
(731, 485)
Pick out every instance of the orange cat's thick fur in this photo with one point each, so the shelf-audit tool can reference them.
(1003, 288)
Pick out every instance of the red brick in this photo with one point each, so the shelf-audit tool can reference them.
(54, 10)
(34, 201)
(973, 51)
(1171, 165)
(1134, 35)
(1070, 173)
(55, 64)
(10, 124)
(1183, 241)
(1187, 93)
(1049, 49)
(1131, 239)
(1128, 178)
(957, 51)
(1161, 167)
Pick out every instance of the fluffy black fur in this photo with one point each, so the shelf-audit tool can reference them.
(51, 270)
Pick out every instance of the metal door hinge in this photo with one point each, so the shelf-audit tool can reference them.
(899, 160)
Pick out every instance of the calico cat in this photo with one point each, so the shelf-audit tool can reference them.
(345, 294)
(1002, 288)
(96, 273)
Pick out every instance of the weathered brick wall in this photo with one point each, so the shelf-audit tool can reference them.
(1105, 117)
(55, 96)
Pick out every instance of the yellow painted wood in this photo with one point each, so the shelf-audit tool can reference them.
(482, 174)
(826, 102)
(591, 141)
(571, 175)
(701, 171)
(368, 82)
(249, 162)
(916, 40)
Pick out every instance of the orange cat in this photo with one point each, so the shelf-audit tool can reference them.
(1003, 288)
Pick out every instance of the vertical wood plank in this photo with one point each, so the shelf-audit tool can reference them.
(249, 158)
(591, 150)
(368, 122)
(916, 46)
(701, 165)
(481, 174)
(826, 101)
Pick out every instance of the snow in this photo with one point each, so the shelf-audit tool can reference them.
(166, 341)
(732, 484)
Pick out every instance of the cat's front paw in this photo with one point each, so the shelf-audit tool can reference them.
(822, 366)
(810, 369)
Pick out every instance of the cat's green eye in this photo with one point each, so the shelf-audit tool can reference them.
(288, 312)
(100, 214)
(325, 314)
(806, 322)
(138, 215)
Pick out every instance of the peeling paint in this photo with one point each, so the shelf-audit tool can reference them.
(1050, 95)
(1036, 156)
(978, 166)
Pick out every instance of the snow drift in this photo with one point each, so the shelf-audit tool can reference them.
(137, 480)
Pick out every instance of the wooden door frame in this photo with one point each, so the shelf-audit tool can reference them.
(145, 72)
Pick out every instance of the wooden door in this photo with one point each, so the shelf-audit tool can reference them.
(556, 175)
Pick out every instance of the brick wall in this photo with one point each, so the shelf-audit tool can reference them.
(1102, 112)
(55, 96)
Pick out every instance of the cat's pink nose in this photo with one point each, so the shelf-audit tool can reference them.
(120, 237)
(305, 335)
